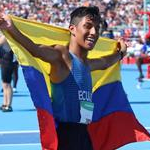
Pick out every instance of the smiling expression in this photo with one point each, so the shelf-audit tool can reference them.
(86, 32)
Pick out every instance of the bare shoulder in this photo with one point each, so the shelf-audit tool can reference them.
(61, 48)
(64, 51)
(64, 54)
(54, 54)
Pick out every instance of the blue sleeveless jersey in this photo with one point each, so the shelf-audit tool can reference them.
(68, 94)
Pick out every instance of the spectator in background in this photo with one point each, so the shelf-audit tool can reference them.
(4, 48)
(119, 15)
(143, 58)
(6, 74)
(134, 49)
(108, 34)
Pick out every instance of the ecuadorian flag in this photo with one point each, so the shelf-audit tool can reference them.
(112, 111)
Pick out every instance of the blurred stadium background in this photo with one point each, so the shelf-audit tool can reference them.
(122, 16)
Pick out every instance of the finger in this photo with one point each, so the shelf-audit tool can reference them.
(118, 46)
(120, 39)
(122, 42)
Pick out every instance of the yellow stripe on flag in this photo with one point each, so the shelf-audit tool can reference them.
(46, 34)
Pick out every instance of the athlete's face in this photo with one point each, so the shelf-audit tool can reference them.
(86, 33)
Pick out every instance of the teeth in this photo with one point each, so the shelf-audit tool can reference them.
(90, 39)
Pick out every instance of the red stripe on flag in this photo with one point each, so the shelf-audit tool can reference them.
(48, 133)
(116, 130)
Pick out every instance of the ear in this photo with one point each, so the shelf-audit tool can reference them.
(72, 29)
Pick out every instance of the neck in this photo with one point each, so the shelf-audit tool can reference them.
(80, 52)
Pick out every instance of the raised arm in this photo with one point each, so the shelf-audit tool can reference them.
(107, 61)
(47, 53)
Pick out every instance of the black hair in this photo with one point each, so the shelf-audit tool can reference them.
(81, 12)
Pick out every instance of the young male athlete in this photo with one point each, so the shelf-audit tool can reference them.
(70, 72)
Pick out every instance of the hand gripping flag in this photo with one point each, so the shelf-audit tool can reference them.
(112, 111)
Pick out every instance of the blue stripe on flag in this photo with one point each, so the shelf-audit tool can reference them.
(37, 87)
(110, 98)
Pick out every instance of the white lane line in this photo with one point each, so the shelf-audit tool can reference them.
(29, 144)
(147, 128)
(19, 132)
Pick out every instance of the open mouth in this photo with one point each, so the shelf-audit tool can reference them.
(91, 41)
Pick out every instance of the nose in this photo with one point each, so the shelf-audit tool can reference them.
(93, 31)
